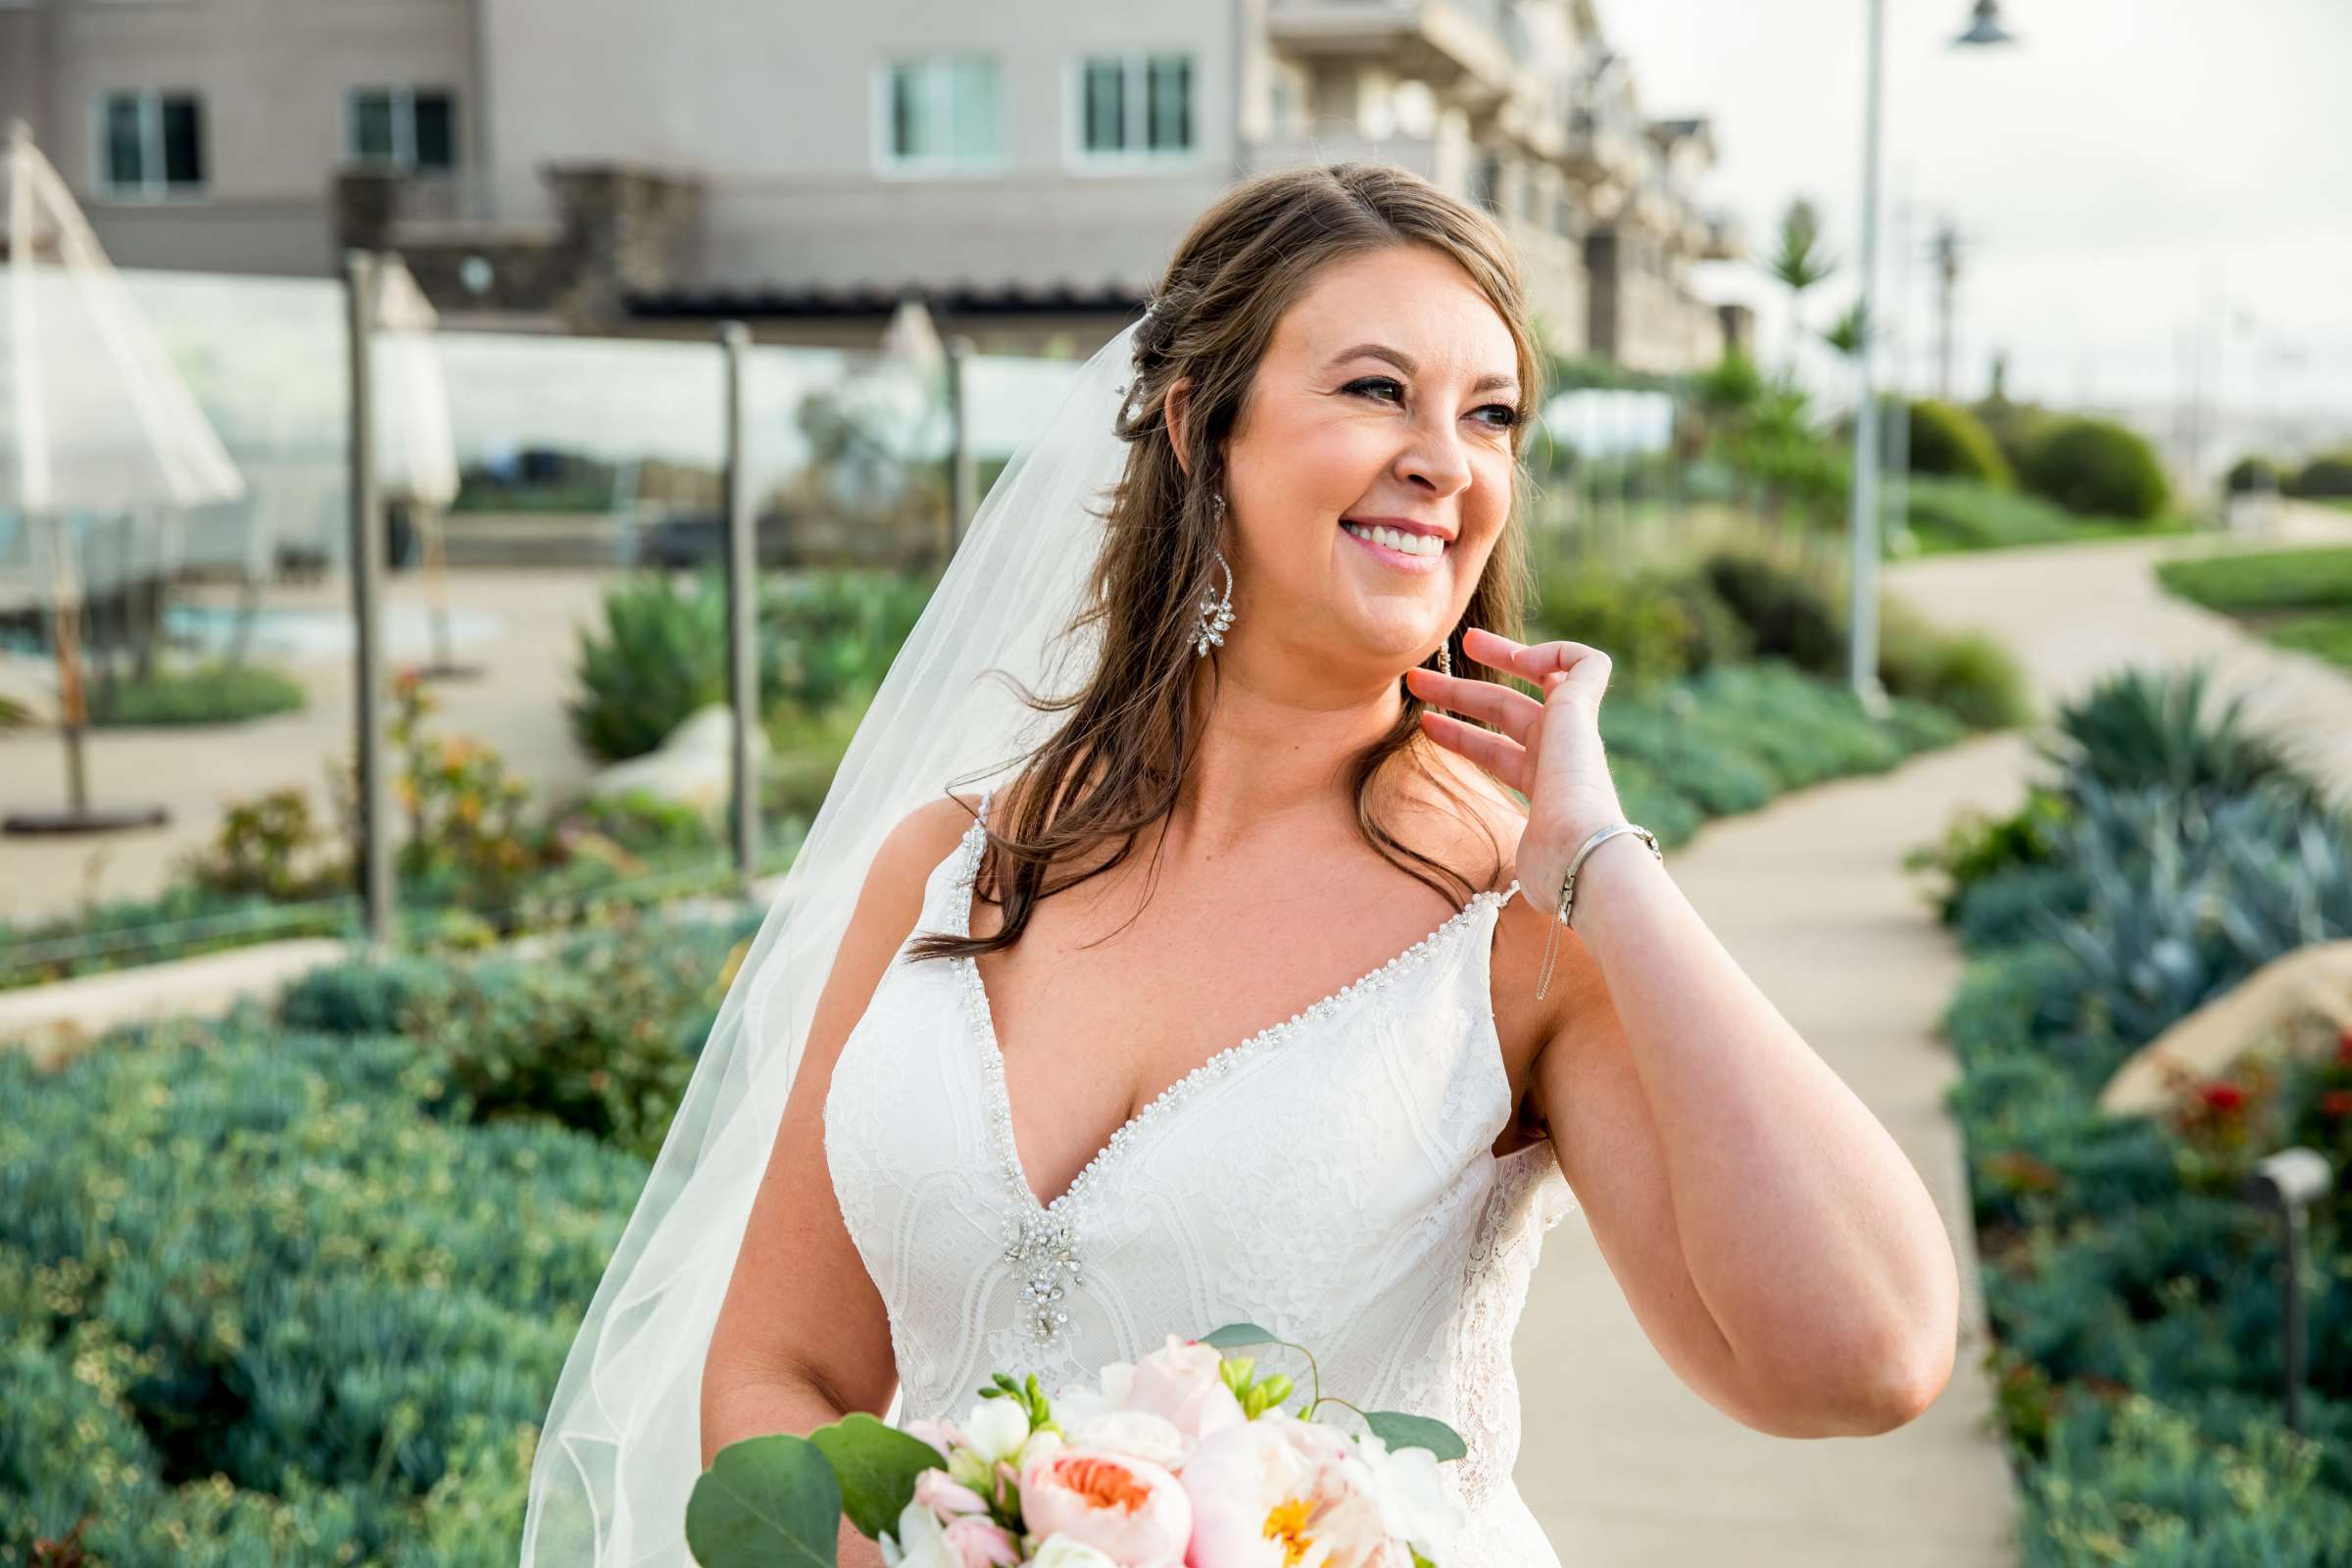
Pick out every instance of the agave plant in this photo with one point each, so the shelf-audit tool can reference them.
(2143, 726)
(2184, 899)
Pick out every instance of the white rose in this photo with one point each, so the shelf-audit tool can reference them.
(997, 1429)
(1060, 1552)
(921, 1542)
(1415, 1505)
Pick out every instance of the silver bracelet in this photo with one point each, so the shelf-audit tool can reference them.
(1568, 888)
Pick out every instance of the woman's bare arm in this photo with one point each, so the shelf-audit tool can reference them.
(802, 1336)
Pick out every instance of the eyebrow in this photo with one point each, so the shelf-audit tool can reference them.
(1404, 361)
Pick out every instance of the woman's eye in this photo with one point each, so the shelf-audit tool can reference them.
(1510, 416)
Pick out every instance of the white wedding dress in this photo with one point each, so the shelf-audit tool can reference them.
(1331, 1179)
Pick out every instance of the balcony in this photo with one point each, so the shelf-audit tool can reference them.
(1462, 48)
(1600, 152)
(1724, 241)
(1439, 164)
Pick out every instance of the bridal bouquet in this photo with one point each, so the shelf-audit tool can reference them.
(1182, 1460)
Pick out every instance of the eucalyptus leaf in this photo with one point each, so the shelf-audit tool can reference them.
(875, 1464)
(1233, 1334)
(1400, 1431)
(765, 1502)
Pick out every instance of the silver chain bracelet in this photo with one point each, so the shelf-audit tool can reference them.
(1551, 936)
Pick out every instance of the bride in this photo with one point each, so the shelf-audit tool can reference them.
(1212, 1002)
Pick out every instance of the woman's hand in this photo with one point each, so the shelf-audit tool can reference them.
(1549, 751)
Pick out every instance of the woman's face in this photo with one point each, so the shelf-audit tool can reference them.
(1387, 397)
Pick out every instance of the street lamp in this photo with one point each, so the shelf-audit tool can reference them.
(1862, 650)
(1986, 26)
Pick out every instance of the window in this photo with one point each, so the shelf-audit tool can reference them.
(151, 144)
(1135, 105)
(403, 128)
(942, 111)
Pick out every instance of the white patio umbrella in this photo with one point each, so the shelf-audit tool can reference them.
(415, 453)
(93, 419)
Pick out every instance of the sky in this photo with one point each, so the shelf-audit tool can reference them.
(2124, 169)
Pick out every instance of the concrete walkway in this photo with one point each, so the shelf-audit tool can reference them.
(1624, 1465)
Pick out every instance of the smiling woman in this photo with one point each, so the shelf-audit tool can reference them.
(1235, 966)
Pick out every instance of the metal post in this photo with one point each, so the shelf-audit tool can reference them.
(361, 271)
(1862, 662)
(963, 473)
(743, 627)
(1899, 343)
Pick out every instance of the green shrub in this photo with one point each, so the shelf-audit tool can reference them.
(2096, 467)
(2253, 473)
(1733, 737)
(1947, 440)
(215, 692)
(2134, 1479)
(1968, 674)
(662, 653)
(1789, 615)
(2326, 477)
(1978, 845)
(257, 1307)
(1654, 624)
(2014, 426)
(600, 1035)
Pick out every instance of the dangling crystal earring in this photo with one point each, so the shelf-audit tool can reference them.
(1215, 616)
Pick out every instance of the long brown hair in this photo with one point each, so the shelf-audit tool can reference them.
(1112, 768)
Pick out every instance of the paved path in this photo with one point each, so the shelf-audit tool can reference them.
(1628, 1468)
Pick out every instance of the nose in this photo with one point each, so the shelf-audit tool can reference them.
(1435, 458)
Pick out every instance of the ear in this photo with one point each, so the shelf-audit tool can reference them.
(1178, 404)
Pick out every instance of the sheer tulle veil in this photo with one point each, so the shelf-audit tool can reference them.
(621, 1449)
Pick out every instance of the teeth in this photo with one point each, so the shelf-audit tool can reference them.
(1411, 544)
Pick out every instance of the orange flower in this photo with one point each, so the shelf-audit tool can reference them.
(2337, 1102)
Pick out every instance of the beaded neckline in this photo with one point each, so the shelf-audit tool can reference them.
(999, 1105)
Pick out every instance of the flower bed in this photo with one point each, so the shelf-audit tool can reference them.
(2130, 1284)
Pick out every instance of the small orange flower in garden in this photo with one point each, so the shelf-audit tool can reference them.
(2337, 1102)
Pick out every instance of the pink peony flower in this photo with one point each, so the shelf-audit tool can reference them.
(1279, 1491)
(941, 1433)
(1181, 1383)
(946, 1496)
(1130, 1511)
(982, 1544)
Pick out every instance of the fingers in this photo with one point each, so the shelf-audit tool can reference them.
(1513, 713)
(1499, 754)
(1546, 665)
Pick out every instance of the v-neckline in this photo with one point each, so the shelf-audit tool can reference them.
(992, 1055)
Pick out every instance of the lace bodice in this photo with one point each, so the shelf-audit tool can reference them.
(1331, 1178)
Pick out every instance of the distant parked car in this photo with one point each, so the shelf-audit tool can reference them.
(684, 540)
